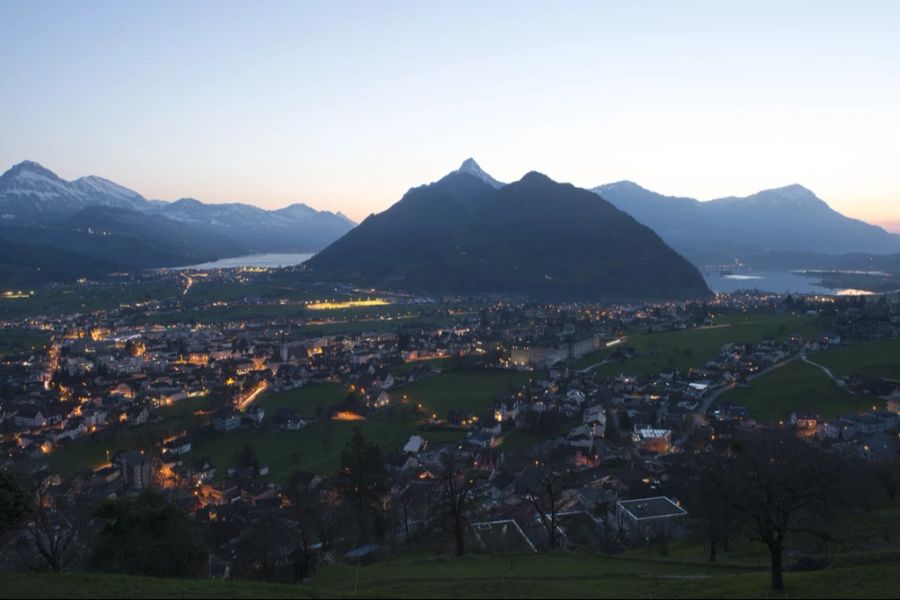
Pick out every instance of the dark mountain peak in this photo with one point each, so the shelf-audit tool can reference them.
(473, 168)
(534, 238)
(30, 167)
(535, 178)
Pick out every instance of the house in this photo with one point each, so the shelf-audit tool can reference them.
(648, 517)
(583, 436)
(832, 339)
(595, 417)
(254, 415)
(202, 470)
(414, 445)
(30, 416)
(806, 424)
(658, 441)
(258, 491)
(226, 419)
(288, 419)
(399, 462)
(177, 446)
(221, 493)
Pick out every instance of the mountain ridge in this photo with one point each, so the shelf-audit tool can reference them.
(31, 194)
(787, 219)
(533, 237)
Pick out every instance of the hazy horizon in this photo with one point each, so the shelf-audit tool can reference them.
(345, 107)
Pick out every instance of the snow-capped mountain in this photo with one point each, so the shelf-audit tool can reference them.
(472, 168)
(33, 195)
(30, 193)
(294, 228)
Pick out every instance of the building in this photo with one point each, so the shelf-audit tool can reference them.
(226, 419)
(134, 469)
(648, 517)
(548, 354)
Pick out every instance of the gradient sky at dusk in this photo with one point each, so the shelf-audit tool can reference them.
(345, 105)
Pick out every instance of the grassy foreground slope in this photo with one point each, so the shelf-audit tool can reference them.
(519, 576)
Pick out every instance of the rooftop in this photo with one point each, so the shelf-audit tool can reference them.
(652, 508)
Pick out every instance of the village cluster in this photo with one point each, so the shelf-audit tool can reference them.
(622, 440)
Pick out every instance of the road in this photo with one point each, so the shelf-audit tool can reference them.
(701, 413)
(824, 369)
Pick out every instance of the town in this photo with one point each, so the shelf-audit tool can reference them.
(333, 424)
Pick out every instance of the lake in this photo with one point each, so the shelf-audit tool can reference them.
(782, 282)
(779, 282)
(267, 260)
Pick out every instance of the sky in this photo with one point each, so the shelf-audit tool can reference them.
(346, 105)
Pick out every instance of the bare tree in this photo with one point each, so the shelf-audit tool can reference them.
(306, 500)
(405, 500)
(456, 485)
(55, 524)
(547, 496)
(784, 487)
(710, 505)
(265, 547)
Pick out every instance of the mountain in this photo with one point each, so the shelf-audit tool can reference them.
(534, 237)
(126, 239)
(295, 228)
(762, 228)
(472, 168)
(32, 195)
(28, 263)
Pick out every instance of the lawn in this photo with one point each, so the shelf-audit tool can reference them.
(306, 400)
(875, 359)
(316, 447)
(691, 348)
(20, 340)
(75, 298)
(795, 387)
(472, 391)
(481, 576)
(521, 441)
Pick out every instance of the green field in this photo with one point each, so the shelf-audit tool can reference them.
(875, 359)
(516, 576)
(305, 400)
(75, 298)
(692, 348)
(20, 340)
(795, 387)
(472, 391)
(317, 447)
